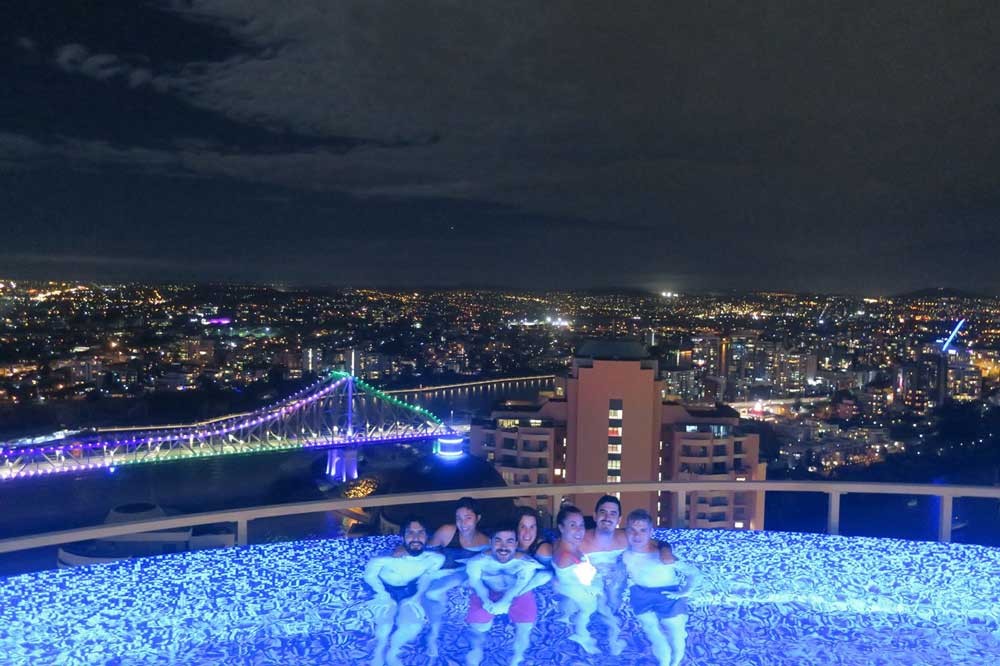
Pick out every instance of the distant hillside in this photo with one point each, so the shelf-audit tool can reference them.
(941, 292)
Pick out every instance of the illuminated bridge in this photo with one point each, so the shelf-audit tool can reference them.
(339, 413)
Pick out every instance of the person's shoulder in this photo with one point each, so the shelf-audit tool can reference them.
(443, 535)
(563, 559)
(523, 560)
(621, 538)
(434, 558)
(544, 549)
(378, 561)
(481, 558)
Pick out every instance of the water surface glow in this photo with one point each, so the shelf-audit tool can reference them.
(767, 598)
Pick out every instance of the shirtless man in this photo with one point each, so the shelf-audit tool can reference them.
(500, 579)
(399, 584)
(659, 590)
(605, 544)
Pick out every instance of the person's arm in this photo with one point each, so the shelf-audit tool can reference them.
(474, 573)
(442, 536)
(666, 552)
(544, 549)
(371, 576)
(525, 573)
(692, 577)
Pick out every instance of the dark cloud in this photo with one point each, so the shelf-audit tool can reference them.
(790, 145)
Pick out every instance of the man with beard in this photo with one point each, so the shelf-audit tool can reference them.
(399, 584)
(500, 579)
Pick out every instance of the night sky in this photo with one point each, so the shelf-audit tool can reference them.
(802, 145)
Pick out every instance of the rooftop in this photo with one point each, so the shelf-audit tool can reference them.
(613, 350)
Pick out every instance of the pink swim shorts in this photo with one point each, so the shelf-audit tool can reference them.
(522, 609)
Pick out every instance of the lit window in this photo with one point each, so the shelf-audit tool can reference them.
(614, 448)
(614, 479)
(615, 413)
(614, 432)
(614, 464)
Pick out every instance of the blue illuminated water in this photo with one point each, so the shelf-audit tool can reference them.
(767, 598)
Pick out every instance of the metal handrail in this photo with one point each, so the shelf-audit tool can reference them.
(242, 517)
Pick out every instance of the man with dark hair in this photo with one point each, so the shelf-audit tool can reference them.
(500, 579)
(659, 590)
(399, 584)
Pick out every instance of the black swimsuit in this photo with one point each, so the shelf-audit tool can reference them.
(455, 551)
(400, 592)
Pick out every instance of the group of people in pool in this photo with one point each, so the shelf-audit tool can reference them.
(589, 568)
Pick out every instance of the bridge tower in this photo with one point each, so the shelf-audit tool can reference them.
(342, 463)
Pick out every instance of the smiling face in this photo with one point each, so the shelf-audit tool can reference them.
(527, 531)
(572, 529)
(639, 533)
(504, 545)
(466, 521)
(414, 538)
(607, 516)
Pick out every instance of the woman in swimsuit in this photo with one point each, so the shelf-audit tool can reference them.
(458, 543)
(575, 573)
(529, 544)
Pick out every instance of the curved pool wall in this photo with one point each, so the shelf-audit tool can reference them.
(766, 598)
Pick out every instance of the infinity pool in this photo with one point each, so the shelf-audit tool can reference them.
(766, 598)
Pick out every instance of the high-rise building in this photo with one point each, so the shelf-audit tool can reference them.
(707, 444)
(312, 359)
(527, 444)
(608, 423)
(706, 353)
(681, 385)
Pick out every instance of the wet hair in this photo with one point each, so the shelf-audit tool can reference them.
(412, 519)
(469, 503)
(608, 498)
(565, 511)
(639, 514)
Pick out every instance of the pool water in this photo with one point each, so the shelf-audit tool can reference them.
(766, 598)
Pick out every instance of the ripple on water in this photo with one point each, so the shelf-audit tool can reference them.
(767, 598)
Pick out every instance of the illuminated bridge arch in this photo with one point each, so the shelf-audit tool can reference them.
(339, 412)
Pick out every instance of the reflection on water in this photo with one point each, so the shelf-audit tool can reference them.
(765, 598)
(474, 400)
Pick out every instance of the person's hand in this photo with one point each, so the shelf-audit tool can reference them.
(500, 608)
(676, 594)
